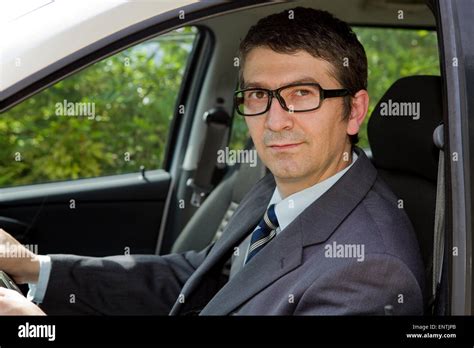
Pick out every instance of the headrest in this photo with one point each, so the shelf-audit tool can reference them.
(401, 127)
(248, 173)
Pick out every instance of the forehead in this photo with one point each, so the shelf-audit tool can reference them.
(266, 68)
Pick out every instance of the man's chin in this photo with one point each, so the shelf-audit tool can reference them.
(286, 174)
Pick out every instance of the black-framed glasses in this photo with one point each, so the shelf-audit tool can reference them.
(297, 97)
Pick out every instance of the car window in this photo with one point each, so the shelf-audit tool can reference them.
(110, 118)
(391, 54)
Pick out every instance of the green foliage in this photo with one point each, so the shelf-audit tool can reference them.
(134, 95)
(391, 54)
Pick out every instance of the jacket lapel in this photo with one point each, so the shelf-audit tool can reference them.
(279, 257)
(314, 225)
(324, 216)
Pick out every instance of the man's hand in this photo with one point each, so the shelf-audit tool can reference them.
(23, 265)
(14, 303)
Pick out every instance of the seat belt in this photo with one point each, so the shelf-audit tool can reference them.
(439, 230)
(218, 122)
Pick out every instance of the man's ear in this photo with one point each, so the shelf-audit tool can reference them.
(360, 105)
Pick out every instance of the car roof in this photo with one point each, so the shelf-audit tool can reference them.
(43, 33)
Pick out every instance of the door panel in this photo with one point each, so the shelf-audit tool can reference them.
(73, 157)
(103, 216)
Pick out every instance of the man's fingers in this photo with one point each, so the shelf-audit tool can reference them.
(7, 292)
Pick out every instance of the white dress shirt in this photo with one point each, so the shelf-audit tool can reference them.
(286, 211)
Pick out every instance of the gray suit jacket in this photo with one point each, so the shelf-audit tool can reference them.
(295, 274)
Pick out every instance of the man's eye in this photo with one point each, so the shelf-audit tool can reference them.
(257, 95)
(302, 92)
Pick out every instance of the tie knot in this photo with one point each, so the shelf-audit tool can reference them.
(270, 217)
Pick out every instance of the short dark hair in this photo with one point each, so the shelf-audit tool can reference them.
(320, 34)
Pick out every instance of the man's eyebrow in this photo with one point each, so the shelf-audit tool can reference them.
(258, 84)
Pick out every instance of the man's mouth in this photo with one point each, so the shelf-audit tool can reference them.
(284, 146)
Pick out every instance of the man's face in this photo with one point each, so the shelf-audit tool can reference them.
(316, 139)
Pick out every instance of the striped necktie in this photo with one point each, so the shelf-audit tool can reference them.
(263, 233)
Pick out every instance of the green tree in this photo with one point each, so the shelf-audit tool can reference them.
(134, 95)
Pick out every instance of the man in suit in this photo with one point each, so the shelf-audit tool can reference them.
(320, 235)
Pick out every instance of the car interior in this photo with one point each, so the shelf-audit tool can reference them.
(143, 211)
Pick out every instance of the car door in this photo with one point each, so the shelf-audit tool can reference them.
(457, 52)
(83, 162)
(87, 164)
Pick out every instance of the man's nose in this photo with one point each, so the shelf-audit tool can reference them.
(278, 118)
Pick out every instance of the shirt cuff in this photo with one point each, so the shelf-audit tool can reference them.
(38, 290)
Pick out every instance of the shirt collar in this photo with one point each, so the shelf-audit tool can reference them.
(289, 208)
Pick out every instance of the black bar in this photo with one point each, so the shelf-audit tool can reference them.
(240, 330)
